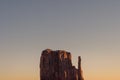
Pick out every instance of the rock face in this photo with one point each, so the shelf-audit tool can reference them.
(57, 65)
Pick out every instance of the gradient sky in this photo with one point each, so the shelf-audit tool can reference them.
(89, 28)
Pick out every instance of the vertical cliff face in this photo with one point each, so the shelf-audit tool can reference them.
(57, 65)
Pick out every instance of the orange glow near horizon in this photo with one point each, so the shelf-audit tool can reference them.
(98, 75)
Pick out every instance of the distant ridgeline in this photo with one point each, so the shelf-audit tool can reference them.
(57, 65)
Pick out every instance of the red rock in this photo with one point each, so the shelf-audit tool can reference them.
(57, 65)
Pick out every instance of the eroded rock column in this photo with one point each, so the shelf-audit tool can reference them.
(57, 65)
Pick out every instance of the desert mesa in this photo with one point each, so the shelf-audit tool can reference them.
(57, 65)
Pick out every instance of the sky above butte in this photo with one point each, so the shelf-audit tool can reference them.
(89, 28)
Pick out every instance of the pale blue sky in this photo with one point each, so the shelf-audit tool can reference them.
(90, 28)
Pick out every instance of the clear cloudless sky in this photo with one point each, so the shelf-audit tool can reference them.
(89, 28)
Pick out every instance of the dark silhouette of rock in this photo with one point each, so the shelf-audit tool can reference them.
(57, 65)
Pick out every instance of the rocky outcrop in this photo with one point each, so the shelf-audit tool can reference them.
(57, 65)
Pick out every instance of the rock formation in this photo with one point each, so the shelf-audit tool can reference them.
(57, 65)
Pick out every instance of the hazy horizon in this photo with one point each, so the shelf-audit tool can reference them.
(86, 28)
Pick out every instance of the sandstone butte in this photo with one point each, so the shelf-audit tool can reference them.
(57, 65)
